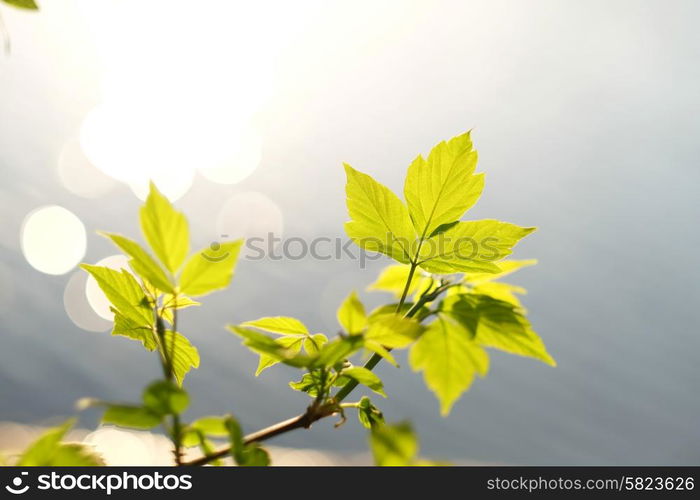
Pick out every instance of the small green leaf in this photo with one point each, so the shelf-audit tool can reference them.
(255, 456)
(49, 451)
(141, 262)
(124, 292)
(337, 350)
(351, 315)
(369, 415)
(442, 188)
(379, 220)
(23, 4)
(377, 348)
(365, 377)
(449, 359)
(278, 324)
(314, 343)
(207, 271)
(507, 267)
(393, 279)
(292, 343)
(165, 398)
(236, 439)
(393, 331)
(393, 445)
(186, 355)
(135, 417)
(211, 426)
(262, 344)
(165, 230)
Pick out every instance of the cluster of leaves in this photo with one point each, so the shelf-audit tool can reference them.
(448, 310)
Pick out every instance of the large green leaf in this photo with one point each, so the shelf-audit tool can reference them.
(393, 445)
(474, 246)
(442, 188)
(262, 344)
(209, 270)
(498, 324)
(379, 220)
(142, 263)
(165, 230)
(351, 315)
(124, 292)
(49, 451)
(449, 360)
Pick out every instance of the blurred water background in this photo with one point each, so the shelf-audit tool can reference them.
(585, 116)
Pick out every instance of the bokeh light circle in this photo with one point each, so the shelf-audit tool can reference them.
(53, 239)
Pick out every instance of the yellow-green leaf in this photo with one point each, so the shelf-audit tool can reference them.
(393, 279)
(365, 377)
(292, 343)
(207, 271)
(23, 4)
(165, 230)
(283, 325)
(49, 451)
(507, 267)
(379, 219)
(185, 357)
(351, 315)
(498, 324)
(127, 327)
(141, 262)
(474, 246)
(124, 292)
(442, 188)
(391, 330)
(449, 360)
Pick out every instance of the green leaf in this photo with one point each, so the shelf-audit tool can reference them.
(165, 230)
(292, 343)
(501, 291)
(314, 343)
(23, 4)
(171, 304)
(365, 377)
(393, 279)
(391, 330)
(142, 263)
(369, 415)
(127, 327)
(255, 456)
(186, 355)
(393, 445)
(474, 246)
(278, 324)
(379, 220)
(165, 398)
(211, 426)
(262, 344)
(442, 188)
(135, 417)
(377, 348)
(124, 292)
(449, 359)
(245, 455)
(49, 451)
(337, 350)
(507, 267)
(498, 324)
(207, 271)
(351, 315)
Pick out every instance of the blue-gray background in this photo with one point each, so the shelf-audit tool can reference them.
(586, 120)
